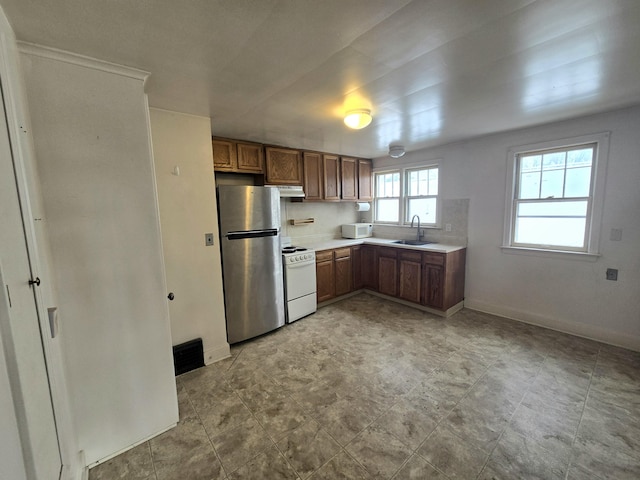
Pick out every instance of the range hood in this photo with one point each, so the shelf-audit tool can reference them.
(290, 191)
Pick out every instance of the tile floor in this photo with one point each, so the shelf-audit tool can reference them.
(366, 388)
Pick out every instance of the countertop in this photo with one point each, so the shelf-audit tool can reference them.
(345, 242)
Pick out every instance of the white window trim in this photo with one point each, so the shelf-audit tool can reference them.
(601, 159)
(403, 198)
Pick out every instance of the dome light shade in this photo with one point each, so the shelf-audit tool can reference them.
(396, 151)
(357, 119)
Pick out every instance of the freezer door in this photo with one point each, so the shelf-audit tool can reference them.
(253, 286)
(243, 208)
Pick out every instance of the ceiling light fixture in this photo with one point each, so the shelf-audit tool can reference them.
(396, 151)
(357, 119)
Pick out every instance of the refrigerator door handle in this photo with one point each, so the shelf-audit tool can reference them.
(273, 232)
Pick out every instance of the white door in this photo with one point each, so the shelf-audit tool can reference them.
(22, 343)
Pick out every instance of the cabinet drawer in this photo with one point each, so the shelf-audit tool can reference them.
(342, 252)
(324, 256)
(433, 258)
(411, 256)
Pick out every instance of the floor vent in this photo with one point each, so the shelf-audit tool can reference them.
(188, 356)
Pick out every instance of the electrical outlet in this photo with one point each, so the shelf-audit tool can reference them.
(612, 274)
(208, 239)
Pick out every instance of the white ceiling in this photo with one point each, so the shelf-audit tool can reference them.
(432, 71)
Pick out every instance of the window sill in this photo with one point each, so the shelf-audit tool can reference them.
(539, 252)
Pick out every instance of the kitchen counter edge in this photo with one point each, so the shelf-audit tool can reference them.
(382, 242)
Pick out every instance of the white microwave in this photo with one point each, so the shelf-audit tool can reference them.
(357, 230)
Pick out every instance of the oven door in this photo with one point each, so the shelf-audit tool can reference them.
(300, 279)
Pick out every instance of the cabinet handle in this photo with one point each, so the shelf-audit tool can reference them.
(35, 282)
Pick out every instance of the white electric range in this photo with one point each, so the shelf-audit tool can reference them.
(299, 269)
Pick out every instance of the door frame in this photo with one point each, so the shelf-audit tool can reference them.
(19, 128)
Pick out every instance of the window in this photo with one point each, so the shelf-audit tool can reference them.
(555, 198)
(403, 193)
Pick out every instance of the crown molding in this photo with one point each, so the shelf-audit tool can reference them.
(81, 60)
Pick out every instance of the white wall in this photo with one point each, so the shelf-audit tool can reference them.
(566, 294)
(92, 144)
(188, 211)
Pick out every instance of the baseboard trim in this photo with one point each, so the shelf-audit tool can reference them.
(590, 332)
(218, 353)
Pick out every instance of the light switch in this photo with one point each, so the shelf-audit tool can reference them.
(208, 239)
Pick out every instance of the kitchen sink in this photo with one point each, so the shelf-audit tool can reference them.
(411, 242)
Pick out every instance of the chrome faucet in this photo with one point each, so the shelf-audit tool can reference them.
(412, 219)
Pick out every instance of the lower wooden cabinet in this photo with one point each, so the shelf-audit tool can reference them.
(431, 279)
(388, 271)
(369, 267)
(325, 277)
(334, 273)
(343, 271)
(410, 276)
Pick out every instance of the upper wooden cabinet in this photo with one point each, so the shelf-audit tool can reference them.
(349, 178)
(313, 175)
(365, 179)
(283, 166)
(241, 157)
(225, 157)
(331, 177)
(250, 157)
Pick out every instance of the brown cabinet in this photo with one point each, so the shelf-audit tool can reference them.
(240, 157)
(388, 271)
(334, 273)
(250, 157)
(369, 267)
(410, 276)
(331, 177)
(349, 178)
(325, 277)
(365, 179)
(343, 271)
(313, 173)
(443, 279)
(283, 166)
(224, 155)
(356, 266)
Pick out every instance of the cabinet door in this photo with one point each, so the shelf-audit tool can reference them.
(325, 280)
(283, 166)
(410, 280)
(312, 175)
(433, 279)
(250, 158)
(331, 177)
(343, 271)
(387, 271)
(365, 179)
(224, 155)
(356, 266)
(369, 267)
(348, 178)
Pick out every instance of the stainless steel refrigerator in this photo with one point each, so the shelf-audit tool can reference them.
(251, 260)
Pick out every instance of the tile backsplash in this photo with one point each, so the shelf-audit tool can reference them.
(328, 217)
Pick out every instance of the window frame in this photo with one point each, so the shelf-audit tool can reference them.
(403, 202)
(595, 200)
